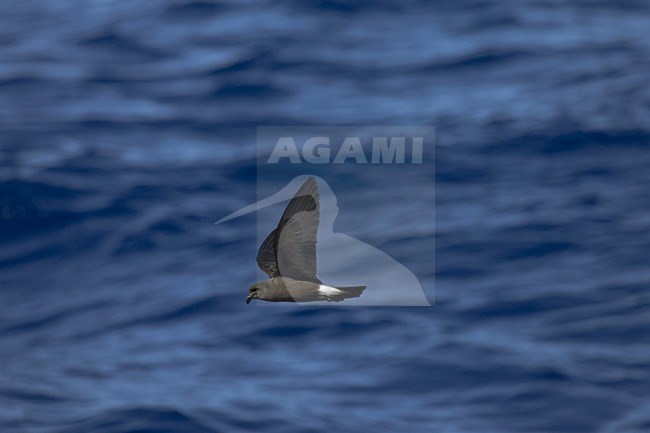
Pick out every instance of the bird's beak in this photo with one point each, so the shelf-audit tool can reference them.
(249, 297)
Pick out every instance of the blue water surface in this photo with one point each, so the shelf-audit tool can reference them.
(128, 128)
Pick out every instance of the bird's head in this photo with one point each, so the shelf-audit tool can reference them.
(256, 291)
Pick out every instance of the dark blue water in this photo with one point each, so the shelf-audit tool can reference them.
(128, 128)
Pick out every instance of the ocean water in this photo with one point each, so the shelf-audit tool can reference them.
(128, 128)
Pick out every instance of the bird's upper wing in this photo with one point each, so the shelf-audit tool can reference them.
(290, 249)
(266, 256)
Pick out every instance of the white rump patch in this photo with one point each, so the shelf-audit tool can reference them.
(328, 291)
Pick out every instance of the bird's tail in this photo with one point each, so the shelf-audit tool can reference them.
(349, 292)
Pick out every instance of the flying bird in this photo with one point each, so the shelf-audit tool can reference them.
(288, 256)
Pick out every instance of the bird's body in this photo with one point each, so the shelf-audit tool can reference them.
(288, 256)
(284, 289)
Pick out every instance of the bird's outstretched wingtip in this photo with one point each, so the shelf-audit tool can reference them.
(309, 184)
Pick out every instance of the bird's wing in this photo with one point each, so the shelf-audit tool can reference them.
(266, 259)
(290, 249)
